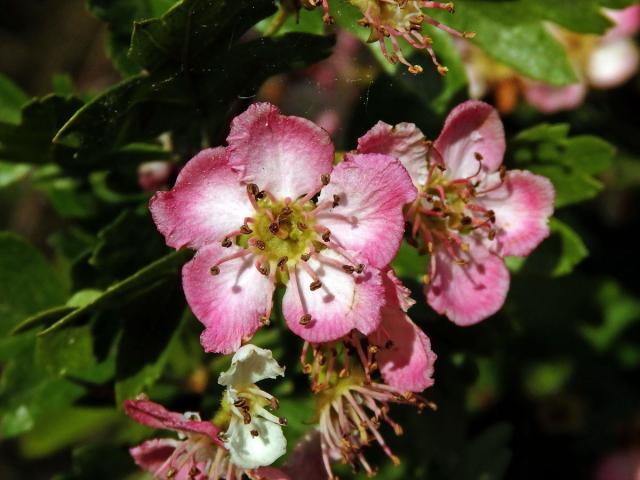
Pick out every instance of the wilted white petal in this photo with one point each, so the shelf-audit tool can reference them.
(248, 450)
(250, 364)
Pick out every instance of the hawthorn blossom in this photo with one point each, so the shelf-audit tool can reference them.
(271, 209)
(470, 211)
(254, 435)
(197, 453)
(396, 19)
(342, 375)
(600, 62)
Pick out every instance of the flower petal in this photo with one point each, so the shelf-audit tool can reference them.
(467, 294)
(250, 364)
(150, 455)
(551, 99)
(472, 127)
(155, 415)
(406, 364)
(405, 142)
(372, 189)
(613, 63)
(284, 155)
(206, 203)
(229, 304)
(344, 301)
(523, 205)
(627, 21)
(249, 451)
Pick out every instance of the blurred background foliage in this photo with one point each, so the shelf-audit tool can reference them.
(91, 307)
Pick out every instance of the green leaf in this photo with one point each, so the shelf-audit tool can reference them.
(30, 141)
(120, 16)
(571, 163)
(192, 29)
(12, 172)
(558, 255)
(144, 280)
(409, 263)
(12, 98)
(28, 284)
(149, 104)
(157, 320)
(513, 33)
(68, 427)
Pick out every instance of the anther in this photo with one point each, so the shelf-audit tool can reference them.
(478, 156)
(348, 268)
(246, 417)
(302, 226)
(305, 257)
(466, 220)
(252, 189)
(325, 178)
(274, 403)
(193, 471)
(265, 321)
(215, 270)
(171, 472)
(326, 236)
(313, 286)
(417, 69)
(260, 244)
(305, 319)
(283, 262)
(285, 212)
(263, 268)
(282, 421)
(260, 195)
(336, 200)
(254, 433)
(492, 234)
(360, 268)
(274, 227)
(226, 243)
(245, 229)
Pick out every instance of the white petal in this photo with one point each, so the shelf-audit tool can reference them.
(248, 451)
(249, 365)
(613, 63)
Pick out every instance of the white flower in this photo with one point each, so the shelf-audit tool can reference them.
(254, 437)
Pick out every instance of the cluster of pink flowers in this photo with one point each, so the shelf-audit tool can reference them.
(600, 62)
(273, 209)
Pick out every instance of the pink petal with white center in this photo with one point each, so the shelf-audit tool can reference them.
(472, 128)
(402, 293)
(344, 302)
(206, 203)
(406, 364)
(613, 63)
(550, 99)
(229, 304)
(155, 415)
(468, 294)
(283, 155)
(372, 189)
(405, 142)
(523, 205)
(152, 454)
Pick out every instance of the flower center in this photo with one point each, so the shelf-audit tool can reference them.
(285, 230)
(446, 211)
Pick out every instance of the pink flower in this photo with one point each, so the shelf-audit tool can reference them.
(601, 62)
(250, 211)
(470, 211)
(621, 465)
(342, 376)
(395, 19)
(198, 453)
